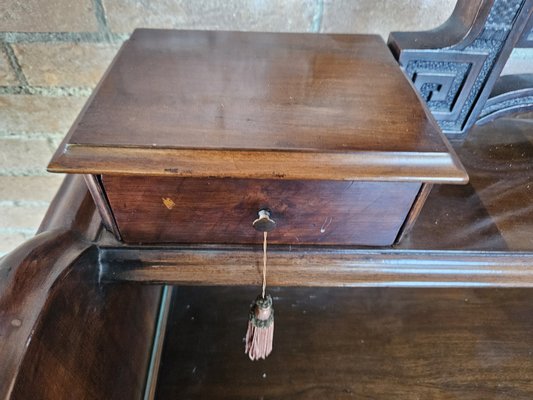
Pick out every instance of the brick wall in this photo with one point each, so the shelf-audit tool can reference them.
(53, 52)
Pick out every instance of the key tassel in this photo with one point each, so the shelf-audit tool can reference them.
(260, 331)
(260, 328)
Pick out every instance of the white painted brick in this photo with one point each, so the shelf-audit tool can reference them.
(272, 15)
(33, 113)
(7, 76)
(21, 218)
(46, 16)
(384, 16)
(64, 64)
(24, 156)
(37, 190)
(9, 241)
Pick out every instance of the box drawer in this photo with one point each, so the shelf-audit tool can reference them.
(191, 133)
(203, 210)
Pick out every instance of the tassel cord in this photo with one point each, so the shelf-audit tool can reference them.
(264, 263)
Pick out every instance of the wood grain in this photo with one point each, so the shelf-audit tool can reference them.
(92, 341)
(188, 210)
(28, 274)
(64, 335)
(72, 208)
(257, 105)
(257, 91)
(368, 343)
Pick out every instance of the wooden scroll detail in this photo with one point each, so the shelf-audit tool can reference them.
(455, 66)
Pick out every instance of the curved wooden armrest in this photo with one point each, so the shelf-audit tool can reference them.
(63, 333)
(28, 273)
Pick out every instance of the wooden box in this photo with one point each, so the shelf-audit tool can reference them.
(189, 134)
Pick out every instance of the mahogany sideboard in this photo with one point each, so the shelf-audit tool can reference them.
(443, 313)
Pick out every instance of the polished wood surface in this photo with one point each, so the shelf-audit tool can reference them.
(373, 343)
(188, 210)
(257, 105)
(64, 334)
(92, 341)
(494, 211)
(476, 234)
(28, 274)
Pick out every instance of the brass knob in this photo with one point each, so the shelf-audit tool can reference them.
(264, 223)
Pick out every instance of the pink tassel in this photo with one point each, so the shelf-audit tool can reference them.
(260, 329)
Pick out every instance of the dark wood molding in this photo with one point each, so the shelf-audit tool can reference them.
(318, 267)
(82, 316)
(64, 333)
(78, 213)
(435, 167)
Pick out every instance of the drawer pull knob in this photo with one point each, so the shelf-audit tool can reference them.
(264, 223)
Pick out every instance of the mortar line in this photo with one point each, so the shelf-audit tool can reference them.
(14, 63)
(101, 19)
(24, 203)
(30, 135)
(3, 48)
(11, 230)
(316, 24)
(32, 171)
(47, 91)
(11, 90)
(55, 37)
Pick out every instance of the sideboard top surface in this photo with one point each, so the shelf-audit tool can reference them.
(261, 105)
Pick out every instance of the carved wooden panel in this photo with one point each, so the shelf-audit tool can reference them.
(455, 66)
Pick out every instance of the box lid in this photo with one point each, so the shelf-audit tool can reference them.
(257, 105)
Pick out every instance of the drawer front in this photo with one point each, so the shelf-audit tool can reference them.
(194, 210)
